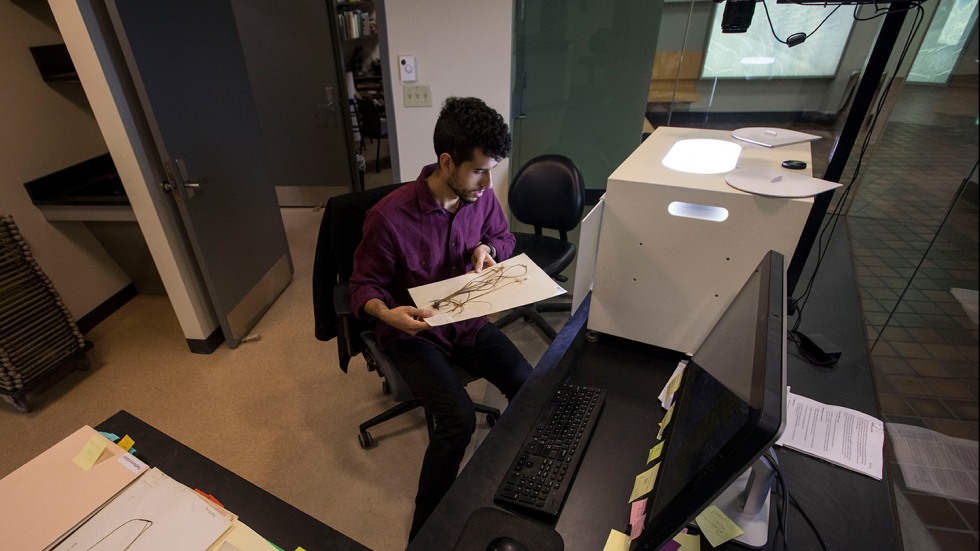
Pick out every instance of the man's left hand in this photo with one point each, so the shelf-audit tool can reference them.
(481, 258)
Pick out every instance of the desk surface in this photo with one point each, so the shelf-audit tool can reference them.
(852, 511)
(273, 518)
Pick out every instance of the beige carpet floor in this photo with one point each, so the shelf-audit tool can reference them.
(277, 411)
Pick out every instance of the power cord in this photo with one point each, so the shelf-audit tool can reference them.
(796, 39)
(823, 544)
(782, 507)
(823, 239)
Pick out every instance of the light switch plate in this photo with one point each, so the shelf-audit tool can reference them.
(417, 95)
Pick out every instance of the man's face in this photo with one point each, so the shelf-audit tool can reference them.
(470, 179)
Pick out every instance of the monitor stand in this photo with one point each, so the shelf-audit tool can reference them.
(746, 502)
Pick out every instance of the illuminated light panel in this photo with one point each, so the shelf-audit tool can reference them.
(699, 212)
(761, 60)
(703, 156)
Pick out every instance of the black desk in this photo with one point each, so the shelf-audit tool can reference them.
(851, 511)
(273, 518)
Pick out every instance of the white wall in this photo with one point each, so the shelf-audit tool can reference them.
(463, 48)
(44, 128)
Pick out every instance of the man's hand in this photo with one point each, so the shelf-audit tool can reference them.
(482, 258)
(404, 318)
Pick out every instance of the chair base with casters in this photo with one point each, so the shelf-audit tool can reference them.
(395, 386)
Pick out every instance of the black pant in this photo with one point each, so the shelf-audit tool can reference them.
(426, 369)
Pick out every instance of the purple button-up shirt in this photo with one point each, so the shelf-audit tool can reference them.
(410, 240)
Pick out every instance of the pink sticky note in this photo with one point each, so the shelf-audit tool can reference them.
(638, 516)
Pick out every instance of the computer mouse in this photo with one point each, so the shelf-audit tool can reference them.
(503, 543)
(794, 165)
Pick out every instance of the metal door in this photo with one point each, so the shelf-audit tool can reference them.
(186, 61)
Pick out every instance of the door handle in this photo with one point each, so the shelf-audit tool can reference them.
(184, 180)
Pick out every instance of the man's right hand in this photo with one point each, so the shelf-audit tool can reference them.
(404, 318)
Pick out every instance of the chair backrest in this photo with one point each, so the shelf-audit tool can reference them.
(369, 118)
(548, 192)
(340, 232)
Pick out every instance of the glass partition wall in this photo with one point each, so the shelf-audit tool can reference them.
(591, 76)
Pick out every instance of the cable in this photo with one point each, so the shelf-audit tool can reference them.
(782, 508)
(823, 544)
(796, 38)
(922, 260)
(799, 303)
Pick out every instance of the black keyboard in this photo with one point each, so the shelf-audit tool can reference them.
(541, 474)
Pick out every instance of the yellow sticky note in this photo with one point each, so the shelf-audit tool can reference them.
(716, 526)
(655, 452)
(644, 482)
(689, 542)
(300, 549)
(665, 422)
(125, 443)
(617, 541)
(91, 452)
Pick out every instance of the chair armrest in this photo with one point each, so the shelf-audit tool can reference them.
(348, 344)
(341, 300)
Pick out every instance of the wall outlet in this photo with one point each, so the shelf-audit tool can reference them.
(417, 95)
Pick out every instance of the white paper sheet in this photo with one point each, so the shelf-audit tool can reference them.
(842, 436)
(935, 463)
(773, 182)
(772, 137)
(514, 282)
(155, 513)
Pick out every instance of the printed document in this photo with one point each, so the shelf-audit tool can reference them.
(842, 436)
(935, 463)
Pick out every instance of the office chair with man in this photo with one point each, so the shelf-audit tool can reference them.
(340, 233)
(547, 193)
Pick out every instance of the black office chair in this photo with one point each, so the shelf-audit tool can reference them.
(547, 193)
(371, 125)
(340, 232)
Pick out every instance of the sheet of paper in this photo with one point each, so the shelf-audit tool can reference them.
(688, 542)
(842, 436)
(514, 282)
(240, 537)
(39, 490)
(638, 515)
(716, 526)
(179, 518)
(665, 422)
(644, 482)
(126, 443)
(666, 396)
(772, 137)
(90, 452)
(935, 463)
(777, 182)
(617, 541)
(655, 452)
(588, 249)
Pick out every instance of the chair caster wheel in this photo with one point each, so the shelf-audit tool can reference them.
(365, 440)
(385, 388)
(491, 419)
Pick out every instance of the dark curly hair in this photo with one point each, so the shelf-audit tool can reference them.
(466, 124)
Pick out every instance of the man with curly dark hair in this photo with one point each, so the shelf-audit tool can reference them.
(444, 224)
